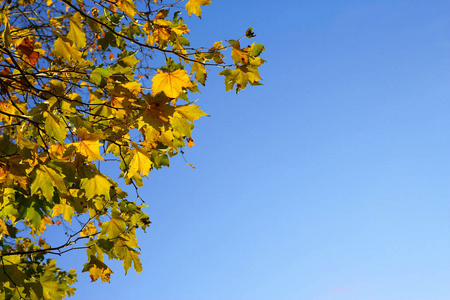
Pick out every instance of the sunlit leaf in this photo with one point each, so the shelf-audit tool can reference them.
(76, 33)
(172, 84)
(193, 6)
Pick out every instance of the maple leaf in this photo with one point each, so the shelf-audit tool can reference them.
(55, 127)
(66, 210)
(26, 47)
(180, 125)
(96, 185)
(57, 151)
(76, 33)
(200, 72)
(132, 256)
(128, 7)
(97, 269)
(45, 179)
(140, 163)
(191, 112)
(64, 49)
(115, 227)
(90, 149)
(89, 230)
(193, 7)
(172, 84)
(157, 112)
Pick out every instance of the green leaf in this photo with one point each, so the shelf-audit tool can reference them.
(256, 50)
(99, 73)
(129, 61)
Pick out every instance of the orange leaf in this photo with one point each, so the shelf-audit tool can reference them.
(26, 47)
(190, 143)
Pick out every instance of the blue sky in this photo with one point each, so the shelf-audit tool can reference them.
(330, 182)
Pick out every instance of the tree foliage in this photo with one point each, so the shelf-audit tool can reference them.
(85, 83)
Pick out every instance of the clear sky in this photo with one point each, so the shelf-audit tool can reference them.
(330, 182)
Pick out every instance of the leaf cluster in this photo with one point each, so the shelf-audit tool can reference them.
(82, 85)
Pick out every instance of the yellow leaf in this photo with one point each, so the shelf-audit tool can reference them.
(90, 149)
(104, 274)
(193, 7)
(66, 210)
(134, 87)
(127, 7)
(6, 35)
(89, 230)
(45, 221)
(171, 84)
(191, 112)
(180, 30)
(96, 185)
(3, 228)
(140, 163)
(57, 151)
(66, 50)
(166, 138)
(238, 55)
(132, 256)
(47, 178)
(76, 33)
(200, 72)
(55, 127)
(114, 228)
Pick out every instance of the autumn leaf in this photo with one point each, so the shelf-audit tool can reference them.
(97, 269)
(200, 72)
(114, 228)
(6, 35)
(140, 163)
(97, 184)
(132, 257)
(76, 33)
(191, 112)
(193, 7)
(64, 49)
(45, 179)
(190, 143)
(26, 47)
(55, 127)
(172, 84)
(90, 149)
(89, 230)
(128, 7)
(64, 209)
